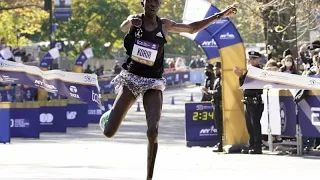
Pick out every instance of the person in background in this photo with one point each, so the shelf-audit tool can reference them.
(216, 101)
(180, 63)
(289, 65)
(208, 83)
(171, 63)
(201, 63)
(193, 63)
(88, 69)
(117, 68)
(253, 107)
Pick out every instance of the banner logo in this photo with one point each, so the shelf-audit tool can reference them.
(71, 115)
(46, 119)
(208, 132)
(45, 85)
(283, 116)
(227, 36)
(315, 114)
(74, 91)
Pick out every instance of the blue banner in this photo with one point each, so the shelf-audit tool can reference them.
(197, 76)
(62, 9)
(94, 113)
(53, 119)
(24, 122)
(30, 94)
(4, 125)
(46, 61)
(106, 87)
(77, 115)
(200, 125)
(78, 86)
(7, 95)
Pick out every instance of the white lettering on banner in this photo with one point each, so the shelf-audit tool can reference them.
(7, 79)
(208, 132)
(71, 115)
(74, 91)
(95, 97)
(200, 107)
(227, 36)
(19, 123)
(315, 114)
(211, 43)
(279, 79)
(95, 112)
(44, 85)
(46, 119)
(52, 74)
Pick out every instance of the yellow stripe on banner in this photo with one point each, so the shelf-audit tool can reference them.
(42, 94)
(235, 130)
(77, 69)
(213, 60)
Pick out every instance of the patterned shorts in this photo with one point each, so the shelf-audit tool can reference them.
(136, 84)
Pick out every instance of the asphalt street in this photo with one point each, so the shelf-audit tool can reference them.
(84, 154)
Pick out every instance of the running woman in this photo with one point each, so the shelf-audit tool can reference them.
(143, 69)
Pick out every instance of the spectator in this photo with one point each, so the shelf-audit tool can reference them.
(171, 63)
(288, 65)
(180, 63)
(201, 63)
(88, 70)
(117, 68)
(193, 63)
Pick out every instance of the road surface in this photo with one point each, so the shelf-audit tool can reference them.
(84, 154)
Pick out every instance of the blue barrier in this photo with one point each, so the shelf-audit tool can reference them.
(94, 113)
(53, 117)
(200, 125)
(24, 122)
(309, 116)
(77, 115)
(197, 76)
(5, 124)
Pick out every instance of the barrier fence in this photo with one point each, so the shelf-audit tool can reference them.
(24, 117)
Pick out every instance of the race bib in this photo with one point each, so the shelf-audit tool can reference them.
(144, 52)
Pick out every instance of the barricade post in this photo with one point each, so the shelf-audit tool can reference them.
(76, 114)
(24, 120)
(4, 122)
(53, 116)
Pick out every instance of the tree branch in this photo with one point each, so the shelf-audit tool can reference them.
(19, 7)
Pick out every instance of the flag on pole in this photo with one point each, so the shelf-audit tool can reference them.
(6, 53)
(47, 59)
(82, 58)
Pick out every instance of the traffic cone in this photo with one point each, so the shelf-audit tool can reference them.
(191, 98)
(172, 101)
(138, 108)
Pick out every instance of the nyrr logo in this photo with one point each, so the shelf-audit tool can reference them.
(211, 43)
(283, 116)
(74, 91)
(208, 132)
(45, 85)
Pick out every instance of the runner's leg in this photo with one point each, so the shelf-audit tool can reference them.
(152, 103)
(122, 104)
